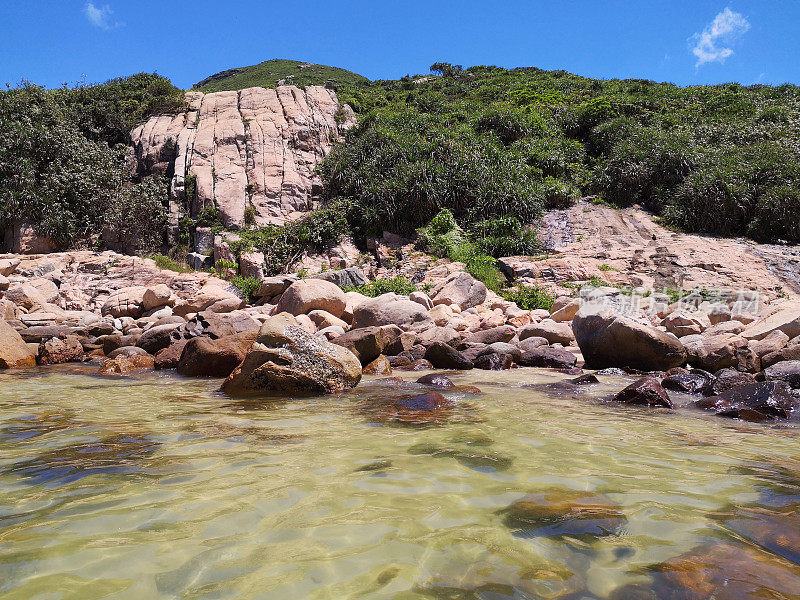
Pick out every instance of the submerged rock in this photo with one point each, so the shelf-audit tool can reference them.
(776, 529)
(565, 512)
(421, 409)
(127, 365)
(718, 571)
(645, 391)
(754, 402)
(287, 360)
(436, 380)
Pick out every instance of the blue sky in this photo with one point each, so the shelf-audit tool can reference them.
(685, 42)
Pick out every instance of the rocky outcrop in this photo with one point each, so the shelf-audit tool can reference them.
(253, 148)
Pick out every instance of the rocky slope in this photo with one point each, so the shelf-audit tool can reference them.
(236, 149)
(628, 247)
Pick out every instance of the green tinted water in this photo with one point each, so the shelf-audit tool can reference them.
(160, 487)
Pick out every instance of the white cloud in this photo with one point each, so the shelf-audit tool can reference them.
(100, 16)
(713, 44)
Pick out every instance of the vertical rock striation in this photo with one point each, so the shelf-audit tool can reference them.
(256, 147)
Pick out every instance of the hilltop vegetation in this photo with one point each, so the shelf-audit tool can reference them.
(487, 142)
(272, 73)
(63, 160)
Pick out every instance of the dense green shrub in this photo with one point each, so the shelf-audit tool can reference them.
(530, 297)
(382, 285)
(63, 159)
(247, 286)
(487, 142)
(283, 245)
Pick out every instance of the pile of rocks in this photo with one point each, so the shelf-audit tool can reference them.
(199, 325)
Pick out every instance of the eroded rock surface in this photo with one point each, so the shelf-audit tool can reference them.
(256, 147)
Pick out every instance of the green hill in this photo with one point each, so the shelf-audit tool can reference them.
(272, 73)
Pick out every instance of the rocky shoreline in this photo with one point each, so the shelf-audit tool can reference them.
(739, 354)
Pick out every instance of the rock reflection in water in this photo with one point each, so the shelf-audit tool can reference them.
(119, 453)
(35, 425)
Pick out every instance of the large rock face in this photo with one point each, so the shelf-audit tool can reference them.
(608, 339)
(286, 360)
(255, 147)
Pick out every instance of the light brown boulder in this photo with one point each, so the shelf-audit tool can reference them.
(786, 317)
(209, 298)
(24, 295)
(274, 286)
(564, 309)
(353, 299)
(609, 339)
(734, 327)
(323, 319)
(14, 352)
(47, 289)
(125, 302)
(4, 283)
(313, 294)
(421, 298)
(8, 266)
(713, 352)
(157, 296)
(286, 360)
(460, 289)
(554, 333)
(444, 335)
(391, 309)
(775, 341)
(442, 314)
(683, 323)
(204, 357)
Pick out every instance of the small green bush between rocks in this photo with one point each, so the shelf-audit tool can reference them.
(398, 285)
(529, 297)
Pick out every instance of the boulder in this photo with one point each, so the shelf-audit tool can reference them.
(505, 348)
(786, 318)
(647, 391)
(531, 343)
(444, 335)
(169, 357)
(157, 296)
(286, 360)
(564, 309)
(323, 319)
(774, 342)
(504, 333)
(127, 365)
(493, 361)
(212, 298)
(8, 266)
(14, 352)
(157, 338)
(690, 382)
(547, 357)
(609, 339)
(199, 261)
(56, 351)
(331, 333)
(683, 323)
(350, 277)
(443, 356)
(553, 332)
(421, 298)
(460, 289)
(206, 357)
(790, 352)
(713, 352)
(788, 371)
(391, 309)
(379, 366)
(366, 343)
(39, 333)
(727, 379)
(274, 286)
(24, 295)
(251, 264)
(306, 295)
(125, 302)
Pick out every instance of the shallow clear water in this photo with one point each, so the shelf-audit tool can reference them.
(160, 487)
